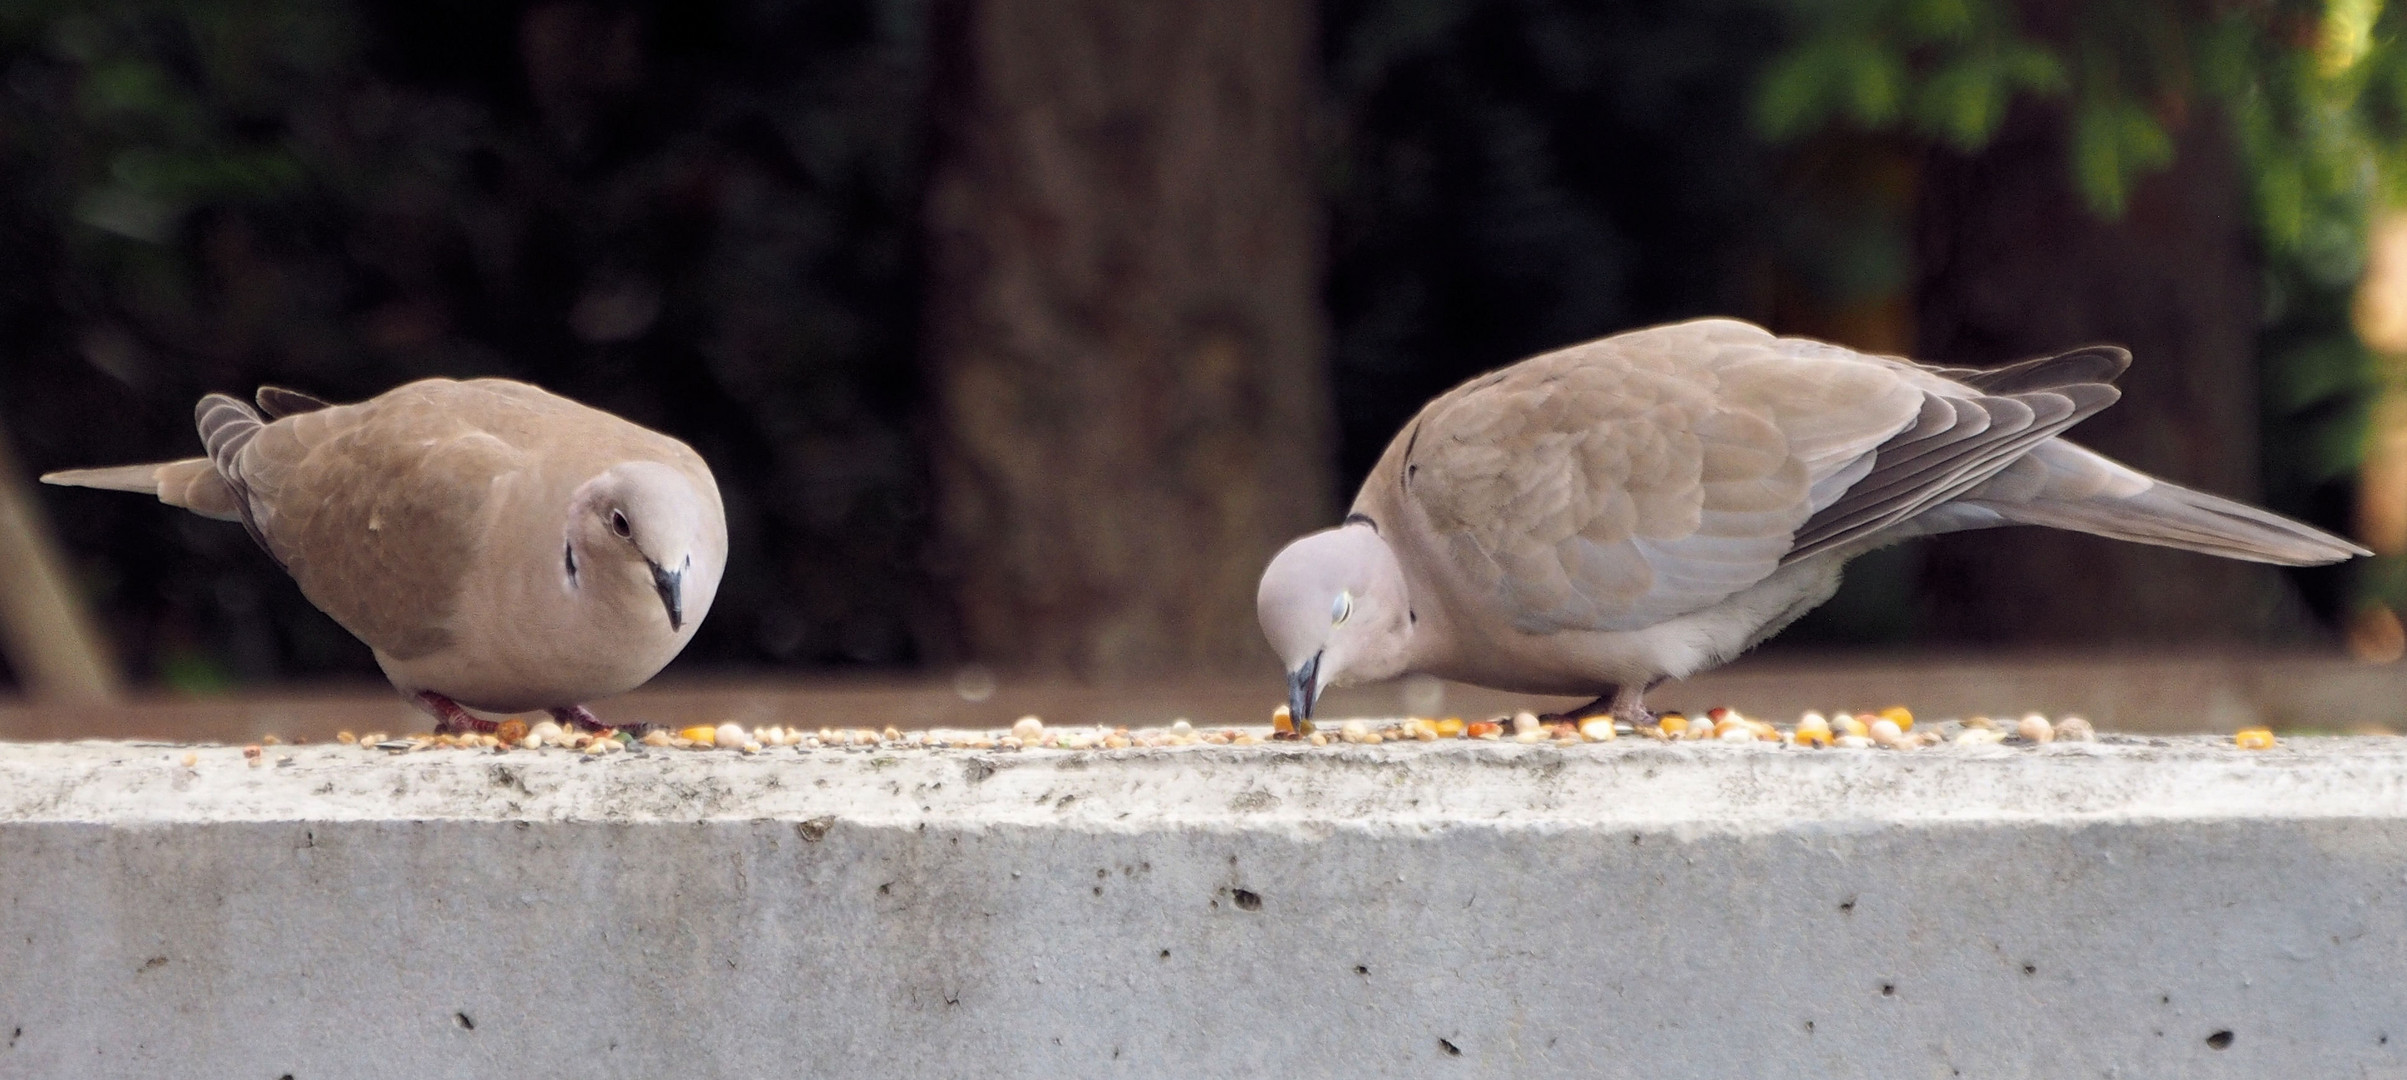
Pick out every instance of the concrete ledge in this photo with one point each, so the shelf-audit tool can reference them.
(2170, 908)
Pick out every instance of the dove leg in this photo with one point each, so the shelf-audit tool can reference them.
(1627, 706)
(450, 718)
(578, 716)
(1599, 707)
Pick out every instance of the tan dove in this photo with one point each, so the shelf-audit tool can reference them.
(1600, 518)
(499, 547)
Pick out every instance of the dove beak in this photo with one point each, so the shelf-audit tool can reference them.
(670, 584)
(1303, 688)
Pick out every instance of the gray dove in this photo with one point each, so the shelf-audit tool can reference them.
(497, 546)
(1600, 518)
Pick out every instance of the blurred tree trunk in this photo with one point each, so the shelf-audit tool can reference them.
(47, 634)
(1131, 396)
(2011, 264)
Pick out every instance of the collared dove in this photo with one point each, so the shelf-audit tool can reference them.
(1600, 518)
(497, 546)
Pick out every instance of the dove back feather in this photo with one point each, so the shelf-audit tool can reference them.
(1615, 484)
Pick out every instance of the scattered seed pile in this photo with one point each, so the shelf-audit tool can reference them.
(1892, 728)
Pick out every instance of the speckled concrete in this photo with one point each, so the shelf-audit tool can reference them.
(2174, 908)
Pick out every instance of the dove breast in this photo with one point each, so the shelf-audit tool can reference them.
(430, 521)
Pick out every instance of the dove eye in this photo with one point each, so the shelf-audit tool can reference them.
(618, 524)
(1341, 607)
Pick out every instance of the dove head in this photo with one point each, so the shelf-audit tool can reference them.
(1334, 607)
(648, 537)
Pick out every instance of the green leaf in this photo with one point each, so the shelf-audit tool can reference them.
(1835, 75)
(2115, 142)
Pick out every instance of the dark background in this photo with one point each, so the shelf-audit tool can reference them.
(727, 220)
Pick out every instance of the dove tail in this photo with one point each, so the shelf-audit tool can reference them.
(2064, 486)
(192, 484)
(2169, 515)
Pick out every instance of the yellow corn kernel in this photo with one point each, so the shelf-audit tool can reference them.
(1450, 728)
(1598, 729)
(1899, 715)
(2255, 738)
(701, 735)
(1814, 737)
(1282, 721)
(1849, 725)
(1672, 723)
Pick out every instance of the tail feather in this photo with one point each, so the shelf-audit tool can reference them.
(192, 484)
(141, 479)
(2169, 515)
(2063, 486)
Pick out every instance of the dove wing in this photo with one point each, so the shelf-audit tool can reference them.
(1620, 483)
(379, 509)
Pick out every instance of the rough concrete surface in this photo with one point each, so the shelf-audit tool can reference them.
(2167, 908)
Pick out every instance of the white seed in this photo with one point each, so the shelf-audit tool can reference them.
(2035, 728)
(1885, 732)
(1524, 723)
(768, 736)
(1318, 739)
(1598, 729)
(1974, 736)
(544, 733)
(1180, 726)
(2075, 729)
(752, 748)
(1537, 736)
(730, 736)
(1812, 727)
(1028, 729)
(1737, 733)
(191, 759)
(658, 737)
(1354, 731)
(1852, 742)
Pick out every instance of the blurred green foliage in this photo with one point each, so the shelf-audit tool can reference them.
(2313, 94)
